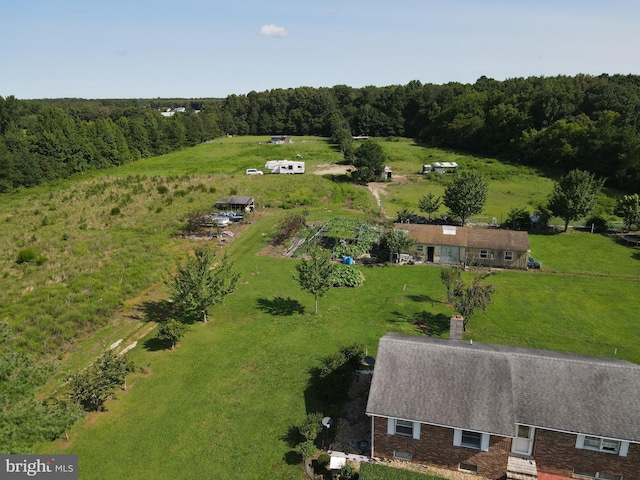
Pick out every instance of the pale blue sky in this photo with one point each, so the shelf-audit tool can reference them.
(213, 48)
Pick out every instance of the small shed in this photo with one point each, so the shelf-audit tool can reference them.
(280, 139)
(241, 203)
(386, 174)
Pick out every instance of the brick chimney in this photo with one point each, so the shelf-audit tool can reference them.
(455, 327)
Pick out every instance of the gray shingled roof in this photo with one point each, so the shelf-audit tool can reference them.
(491, 388)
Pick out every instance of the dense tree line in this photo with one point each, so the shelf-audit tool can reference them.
(45, 140)
(559, 123)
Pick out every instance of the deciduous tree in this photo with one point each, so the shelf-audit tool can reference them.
(449, 276)
(98, 382)
(314, 274)
(171, 331)
(429, 204)
(397, 241)
(201, 281)
(628, 207)
(369, 162)
(468, 297)
(466, 195)
(574, 196)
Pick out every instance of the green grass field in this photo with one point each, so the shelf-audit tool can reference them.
(223, 403)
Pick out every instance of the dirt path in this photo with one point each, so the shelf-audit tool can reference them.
(377, 189)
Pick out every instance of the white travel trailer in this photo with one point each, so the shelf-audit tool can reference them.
(284, 166)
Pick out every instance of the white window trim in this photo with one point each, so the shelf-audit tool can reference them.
(623, 449)
(484, 439)
(484, 254)
(391, 428)
(595, 476)
(509, 257)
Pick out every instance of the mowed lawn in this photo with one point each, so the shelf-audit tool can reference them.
(222, 404)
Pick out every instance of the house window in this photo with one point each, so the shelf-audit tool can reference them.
(404, 427)
(468, 467)
(508, 256)
(601, 445)
(402, 455)
(484, 254)
(578, 473)
(469, 439)
(420, 247)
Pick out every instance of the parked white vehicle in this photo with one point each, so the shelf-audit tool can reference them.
(254, 171)
(284, 166)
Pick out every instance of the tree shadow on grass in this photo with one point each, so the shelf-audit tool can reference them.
(293, 457)
(165, 310)
(158, 312)
(292, 437)
(154, 344)
(433, 325)
(338, 178)
(423, 299)
(280, 306)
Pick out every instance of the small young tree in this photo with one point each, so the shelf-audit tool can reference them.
(467, 298)
(404, 215)
(314, 274)
(449, 276)
(466, 195)
(171, 331)
(628, 207)
(202, 281)
(396, 241)
(98, 382)
(429, 204)
(574, 196)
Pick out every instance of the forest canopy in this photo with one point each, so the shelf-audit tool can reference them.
(557, 123)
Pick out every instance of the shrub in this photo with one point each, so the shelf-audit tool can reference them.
(162, 189)
(287, 227)
(115, 211)
(311, 426)
(518, 219)
(599, 224)
(346, 276)
(26, 255)
(324, 459)
(348, 472)
(307, 449)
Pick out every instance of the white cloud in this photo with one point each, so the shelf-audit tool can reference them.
(272, 30)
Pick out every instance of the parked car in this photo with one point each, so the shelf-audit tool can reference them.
(533, 263)
(254, 171)
(233, 216)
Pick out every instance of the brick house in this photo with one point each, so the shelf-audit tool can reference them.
(451, 245)
(504, 412)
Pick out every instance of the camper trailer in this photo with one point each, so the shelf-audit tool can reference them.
(284, 166)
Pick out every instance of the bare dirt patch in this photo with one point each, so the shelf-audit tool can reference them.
(332, 169)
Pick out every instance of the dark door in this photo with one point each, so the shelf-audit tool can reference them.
(430, 251)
